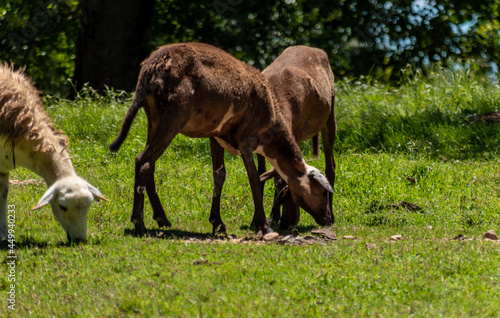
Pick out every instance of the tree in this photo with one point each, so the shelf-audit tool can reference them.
(112, 41)
(361, 37)
(40, 36)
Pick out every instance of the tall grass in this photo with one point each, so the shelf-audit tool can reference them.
(428, 116)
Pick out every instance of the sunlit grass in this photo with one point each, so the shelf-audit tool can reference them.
(413, 143)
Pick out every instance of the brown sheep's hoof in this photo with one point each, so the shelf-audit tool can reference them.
(267, 230)
(285, 226)
(219, 229)
(140, 229)
(163, 223)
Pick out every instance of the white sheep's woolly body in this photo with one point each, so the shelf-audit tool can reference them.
(22, 117)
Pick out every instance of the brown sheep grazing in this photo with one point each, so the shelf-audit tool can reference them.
(28, 139)
(303, 83)
(201, 91)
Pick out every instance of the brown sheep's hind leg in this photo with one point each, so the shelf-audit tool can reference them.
(158, 211)
(144, 176)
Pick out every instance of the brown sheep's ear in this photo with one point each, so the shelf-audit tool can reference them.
(321, 179)
(268, 175)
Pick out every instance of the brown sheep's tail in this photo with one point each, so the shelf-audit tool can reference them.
(127, 123)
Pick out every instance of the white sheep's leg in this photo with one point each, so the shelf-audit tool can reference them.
(4, 191)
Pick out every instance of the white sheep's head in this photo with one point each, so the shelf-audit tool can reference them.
(70, 199)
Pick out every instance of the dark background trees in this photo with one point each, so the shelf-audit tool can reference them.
(103, 42)
(112, 42)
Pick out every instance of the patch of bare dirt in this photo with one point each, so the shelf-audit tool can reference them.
(25, 182)
(319, 236)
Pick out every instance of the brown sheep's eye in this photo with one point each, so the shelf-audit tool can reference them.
(65, 209)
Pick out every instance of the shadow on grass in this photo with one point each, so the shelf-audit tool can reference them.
(173, 234)
(23, 242)
(275, 226)
(29, 242)
(188, 235)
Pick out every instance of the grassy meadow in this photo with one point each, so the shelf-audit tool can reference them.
(418, 143)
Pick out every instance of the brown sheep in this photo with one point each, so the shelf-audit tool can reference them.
(202, 91)
(28, 139)
(303, 83)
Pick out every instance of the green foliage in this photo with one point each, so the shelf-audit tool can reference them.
(357, 35)
(40, 35)
(373, 38)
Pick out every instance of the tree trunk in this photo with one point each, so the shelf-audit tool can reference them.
(112, 42)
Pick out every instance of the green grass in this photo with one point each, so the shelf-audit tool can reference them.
(387, 137)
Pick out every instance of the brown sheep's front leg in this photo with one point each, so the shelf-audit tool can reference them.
(279, 185)
(291, 211)
(254, 178)
(261, 168)
(291, 214)
(328, 136)
(219, 173)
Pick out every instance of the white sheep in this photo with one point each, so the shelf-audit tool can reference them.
(28, 139)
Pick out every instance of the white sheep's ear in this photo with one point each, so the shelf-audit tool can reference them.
(46, 198)
(96, 192)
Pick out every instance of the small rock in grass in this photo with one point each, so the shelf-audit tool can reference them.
(297, 240)
(238, 240)
(490, 235)
(349, 237)
(326, 233)
(200, 262)
(269, 237)
(371, 246)
(396, 237)
(430, 227)
(460, 237)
